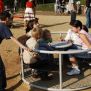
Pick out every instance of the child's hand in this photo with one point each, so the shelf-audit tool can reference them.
(27, 49)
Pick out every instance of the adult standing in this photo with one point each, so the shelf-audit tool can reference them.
(29, 12)
(88, 13)
(5, 33)
(72, 4)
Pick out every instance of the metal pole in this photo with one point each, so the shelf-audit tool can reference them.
(60, 70)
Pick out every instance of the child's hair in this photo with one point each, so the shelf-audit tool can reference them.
(85, 28)
(77, 23)
(45, 31)
(30, 24)
(36, 32)
(45, 36)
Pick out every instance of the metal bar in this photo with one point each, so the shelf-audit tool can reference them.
(60, 70)
(22, 69)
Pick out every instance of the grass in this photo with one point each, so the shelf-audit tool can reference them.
(83, 2)
(46, 7)
(50, 6)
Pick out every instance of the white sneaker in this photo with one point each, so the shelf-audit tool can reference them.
(73, 72)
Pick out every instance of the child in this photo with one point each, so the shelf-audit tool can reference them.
(44, 44)
(5, 33)
(30, 57)
(30, 25)
(85, 44)
(45, 40)
(46, 59)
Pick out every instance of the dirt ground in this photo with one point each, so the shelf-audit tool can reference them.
(9, 50)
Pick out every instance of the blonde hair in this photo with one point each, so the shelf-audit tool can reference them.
(36, 32)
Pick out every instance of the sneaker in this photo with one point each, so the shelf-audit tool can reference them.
(73, 72)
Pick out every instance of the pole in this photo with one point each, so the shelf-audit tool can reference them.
(60, 70)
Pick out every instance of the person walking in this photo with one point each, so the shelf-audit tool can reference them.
(29, 12)
(88, 13)
(5, 33)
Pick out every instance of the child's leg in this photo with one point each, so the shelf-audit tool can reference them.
(74, 63)
(75, 70)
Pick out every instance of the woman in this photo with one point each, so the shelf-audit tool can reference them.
(29, 13)
(85, 44)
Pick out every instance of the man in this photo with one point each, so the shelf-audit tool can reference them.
(72, 4)
(5, 33)
(88, 13)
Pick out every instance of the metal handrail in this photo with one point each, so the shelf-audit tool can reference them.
(62, 52)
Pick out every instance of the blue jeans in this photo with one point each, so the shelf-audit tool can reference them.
(88, 17)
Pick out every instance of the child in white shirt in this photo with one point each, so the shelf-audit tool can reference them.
(30, 57)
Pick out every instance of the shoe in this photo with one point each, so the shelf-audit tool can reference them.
(73, 72)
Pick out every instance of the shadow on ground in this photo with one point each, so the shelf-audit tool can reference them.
(43, 26)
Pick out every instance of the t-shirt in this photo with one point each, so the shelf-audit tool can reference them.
(29, 4)
(28, 56)
(5, 32)
(73, 37)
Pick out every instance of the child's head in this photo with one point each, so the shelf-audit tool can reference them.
(32, 24)
(85, 28)
(29, 26)
(77, 26)
(46, 35)
(36, 33)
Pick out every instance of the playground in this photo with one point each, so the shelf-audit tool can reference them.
(10, 53)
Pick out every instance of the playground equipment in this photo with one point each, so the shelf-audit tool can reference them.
(61, 81)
